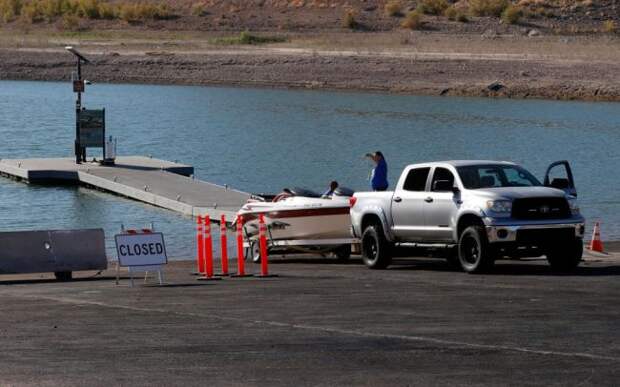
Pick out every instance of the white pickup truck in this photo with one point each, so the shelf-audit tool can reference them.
(478, 210)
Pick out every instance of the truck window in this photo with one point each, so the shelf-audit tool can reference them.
(491, 176)
(442, 174)
(416, 179)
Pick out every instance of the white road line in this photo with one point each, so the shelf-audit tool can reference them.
(349, 332)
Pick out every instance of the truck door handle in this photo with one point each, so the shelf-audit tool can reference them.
(398, 199)
(428, 199)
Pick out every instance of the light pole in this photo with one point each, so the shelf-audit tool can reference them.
(78, 87)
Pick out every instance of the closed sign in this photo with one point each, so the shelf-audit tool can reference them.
(141, 249)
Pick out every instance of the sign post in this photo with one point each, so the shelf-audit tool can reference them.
(89, 124)
(141, 252)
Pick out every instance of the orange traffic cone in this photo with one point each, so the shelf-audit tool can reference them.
(596, 244)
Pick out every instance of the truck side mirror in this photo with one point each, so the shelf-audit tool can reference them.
(456, 190)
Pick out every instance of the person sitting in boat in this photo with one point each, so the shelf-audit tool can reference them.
(330, 191)
(286, 193)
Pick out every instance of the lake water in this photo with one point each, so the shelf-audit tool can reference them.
(261, 140)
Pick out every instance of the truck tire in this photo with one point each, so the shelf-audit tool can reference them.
(376, 250)
(475, 253)
(565, 256)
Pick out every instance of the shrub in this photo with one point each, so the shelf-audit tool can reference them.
(349, 21)
(162, 11)
(88, 9)
(70, 22)
(9, 10)
(50, 9)
(413, 21)
(609, 26)
(487, 7)
(452, 13)
(539, 12)
(432, 7)
(512, 14)
(394, 8)
(128, 12)
(198, 9)
(69, 7)
(31, 13)
(248, 38)
(145, 11)
(107, 11)
(136, 12)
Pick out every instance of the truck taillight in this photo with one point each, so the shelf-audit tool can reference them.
(352, 201)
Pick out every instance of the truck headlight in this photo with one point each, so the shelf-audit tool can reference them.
(574, 206)
(500, 206)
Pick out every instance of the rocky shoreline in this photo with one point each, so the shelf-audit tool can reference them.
(509, 76)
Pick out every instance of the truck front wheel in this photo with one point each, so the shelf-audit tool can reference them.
(474, 251)
(565, 256)
(375, 248)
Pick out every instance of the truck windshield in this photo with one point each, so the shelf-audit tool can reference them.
(492, 176)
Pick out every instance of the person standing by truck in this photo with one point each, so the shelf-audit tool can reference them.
(379, 174)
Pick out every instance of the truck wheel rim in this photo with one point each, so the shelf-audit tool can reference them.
(470, 250)
(371, 248)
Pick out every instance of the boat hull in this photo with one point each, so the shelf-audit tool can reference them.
(320, 223)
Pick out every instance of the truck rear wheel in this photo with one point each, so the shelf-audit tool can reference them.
(376, 250)
(565, 256)
(474, 251)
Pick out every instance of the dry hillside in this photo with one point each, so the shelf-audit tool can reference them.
(462, 16)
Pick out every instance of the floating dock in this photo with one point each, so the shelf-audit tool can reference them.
(160, 183)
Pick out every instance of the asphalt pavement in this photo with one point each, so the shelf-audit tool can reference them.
(320, 322)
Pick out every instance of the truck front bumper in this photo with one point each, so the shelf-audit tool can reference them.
(527, 233)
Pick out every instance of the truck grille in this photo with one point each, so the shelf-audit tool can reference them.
(540, 208)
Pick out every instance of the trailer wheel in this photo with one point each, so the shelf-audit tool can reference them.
(376, 250)
(343, 253)
(253, 252)
(63, 276)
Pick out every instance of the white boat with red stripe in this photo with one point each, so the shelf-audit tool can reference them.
(301, 220)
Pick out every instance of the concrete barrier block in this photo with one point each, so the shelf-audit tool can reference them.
(52, 251)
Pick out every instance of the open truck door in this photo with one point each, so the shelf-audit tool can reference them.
(560, 176)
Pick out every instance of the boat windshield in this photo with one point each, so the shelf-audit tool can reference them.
(496, 175)
(298, 191)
